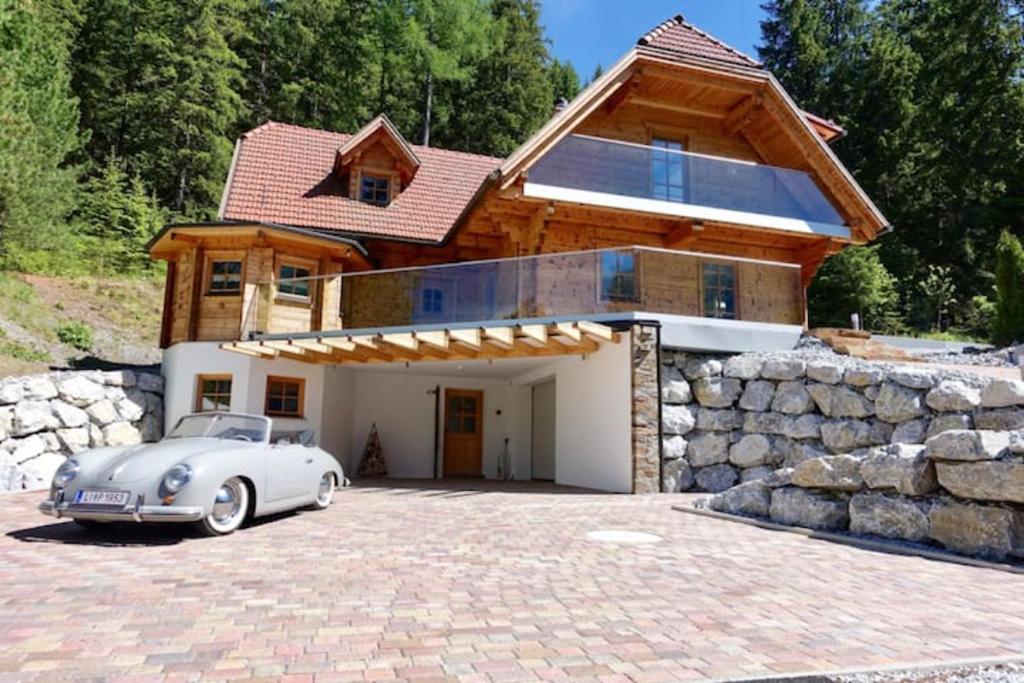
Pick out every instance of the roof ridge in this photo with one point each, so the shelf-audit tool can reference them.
(646, 38)
(718, 41)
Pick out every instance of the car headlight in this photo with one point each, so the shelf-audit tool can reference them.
(177, 478)
(66, 472)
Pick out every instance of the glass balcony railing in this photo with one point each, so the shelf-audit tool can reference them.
(659, 173)
(549, 286)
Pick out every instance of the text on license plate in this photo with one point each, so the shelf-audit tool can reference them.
(84, 497)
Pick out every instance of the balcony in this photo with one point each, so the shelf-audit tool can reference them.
(550, 287)
(622, 175)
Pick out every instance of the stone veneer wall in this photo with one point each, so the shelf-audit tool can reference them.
(46, 418)
(644, 368)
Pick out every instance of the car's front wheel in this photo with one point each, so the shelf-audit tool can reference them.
(230, 506)
(325, 491)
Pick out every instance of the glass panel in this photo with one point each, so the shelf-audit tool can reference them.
(469, 425)
(226, 276)
(663, 171)
(220, 427)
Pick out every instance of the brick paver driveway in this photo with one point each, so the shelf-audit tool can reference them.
(420, 583)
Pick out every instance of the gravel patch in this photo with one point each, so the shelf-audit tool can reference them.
(996, 673)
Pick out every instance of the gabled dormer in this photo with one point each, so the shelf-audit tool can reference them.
(376, 162)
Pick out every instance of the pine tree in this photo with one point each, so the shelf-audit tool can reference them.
(1009, 324)
(512, 93)
(38, 131)
(565, 82)
(855, 281)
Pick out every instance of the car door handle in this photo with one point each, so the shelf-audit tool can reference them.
(309, 461)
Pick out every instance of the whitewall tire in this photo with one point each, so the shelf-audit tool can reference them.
(230, 507)
(325, 491)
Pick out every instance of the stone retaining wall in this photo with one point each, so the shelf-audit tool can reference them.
(45, 418)
(733, 419)
(963, 489)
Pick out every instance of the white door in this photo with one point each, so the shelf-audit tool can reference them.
(543, 439)
(290, 473)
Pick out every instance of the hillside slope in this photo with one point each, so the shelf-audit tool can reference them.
(46, 322)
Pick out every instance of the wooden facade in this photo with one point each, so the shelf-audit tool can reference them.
(734, 114)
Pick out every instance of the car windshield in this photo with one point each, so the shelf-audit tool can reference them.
(217, 426)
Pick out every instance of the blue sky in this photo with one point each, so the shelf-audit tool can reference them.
(591, 32)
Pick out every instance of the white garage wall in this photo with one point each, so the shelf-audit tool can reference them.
(593, 418)
(336, 411)
(404, 412)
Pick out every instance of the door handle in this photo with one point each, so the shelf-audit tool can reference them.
(309, 461)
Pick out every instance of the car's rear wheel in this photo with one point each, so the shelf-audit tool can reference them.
(325, 491)
(230, 505)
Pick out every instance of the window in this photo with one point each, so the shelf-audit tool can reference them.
(463, 414)
(213, 392)
(432, 300)
(284, 396)
(375, 189)
(618, 276)
(225, 277)
(667, 170)
(292, 281)
(719, 290)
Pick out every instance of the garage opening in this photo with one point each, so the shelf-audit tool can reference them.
(543, 432)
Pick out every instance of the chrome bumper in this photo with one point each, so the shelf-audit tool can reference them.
(130, 513)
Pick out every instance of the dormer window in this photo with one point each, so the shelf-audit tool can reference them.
(375, 189)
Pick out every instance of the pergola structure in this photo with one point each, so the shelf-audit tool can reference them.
(472, 343)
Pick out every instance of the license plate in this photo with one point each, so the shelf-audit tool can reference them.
(85, 497)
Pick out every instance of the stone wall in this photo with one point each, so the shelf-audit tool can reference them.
(644, 374)
(963, 489)
(732, 419)
(46, 418)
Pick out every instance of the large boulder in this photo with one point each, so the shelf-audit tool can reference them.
(744, 366)
(150, 382)
(802, 452)
(39, 388)
(39, 471)
(717, 392)
(911, 431)
(952, 396)
(904, 468)
(810, 509)
(764, 423)
(968, 445)
(11, 391)
(74, 440)
(912, 378)
(843, 436)
(69, 415)
(803, 427)
(752, 498)
(719, 420)
(947, 423)
(758, 395)
(1000, 480)
(676, 476)
(759, 473)
(840, 401)
(833, 472)
(31, 417)
(898, 404)
(791, 398)
(889, 517)
(707, 449)
(750, 451)
(79, 390)
(121, 434)
(119, 378)
(863, 376)
(783, 368)
(1003, 419)
(993, 532)
(23, 450)
(715, 478)
(132, 407)
(1003, 393)
(825, 371)
(102, 413)
(673, 447)
(677, 420)
(674, 389)
(700, 368)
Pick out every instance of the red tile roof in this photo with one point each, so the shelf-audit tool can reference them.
(283, 174)
(678, 37)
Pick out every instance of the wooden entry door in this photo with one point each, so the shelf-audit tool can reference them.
(463, 432)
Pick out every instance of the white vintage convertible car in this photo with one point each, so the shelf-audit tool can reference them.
(213, 469)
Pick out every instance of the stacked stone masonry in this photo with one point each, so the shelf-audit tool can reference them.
(827, 442)
(46, 418)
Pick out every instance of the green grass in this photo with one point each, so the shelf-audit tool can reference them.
(23, 352)
(20, 304)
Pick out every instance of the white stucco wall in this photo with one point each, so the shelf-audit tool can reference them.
(592, 404)
(184, 362)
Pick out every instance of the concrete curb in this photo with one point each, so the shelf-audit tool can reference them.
(856, 541)
(912, 668)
